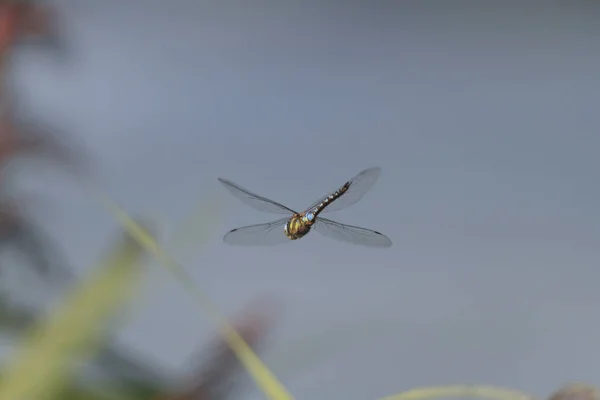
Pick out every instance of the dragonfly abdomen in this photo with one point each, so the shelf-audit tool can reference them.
(330, 199)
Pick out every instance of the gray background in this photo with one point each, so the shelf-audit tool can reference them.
(483, 117)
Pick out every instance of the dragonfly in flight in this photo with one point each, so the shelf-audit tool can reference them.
(296, 225)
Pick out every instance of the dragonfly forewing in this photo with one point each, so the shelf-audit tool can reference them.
(254, 200)
(351, 234)
(267, 234)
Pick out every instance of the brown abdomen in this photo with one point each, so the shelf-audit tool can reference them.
(330, 199)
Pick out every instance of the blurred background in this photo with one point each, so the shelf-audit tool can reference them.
(483, 117)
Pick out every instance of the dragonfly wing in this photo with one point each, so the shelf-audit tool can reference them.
(351, 234)
(255, 201)
(359, 186)
(267, 234)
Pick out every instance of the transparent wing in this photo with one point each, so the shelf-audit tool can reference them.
(258, 235)
(359, 185)
(255, 201)
(351, 234)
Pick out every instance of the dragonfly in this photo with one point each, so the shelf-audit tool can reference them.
(298, 224)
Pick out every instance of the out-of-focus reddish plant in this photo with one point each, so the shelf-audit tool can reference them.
(20, 19)
(219, 372)
(16, 228)
(576, 391)
(29, 138)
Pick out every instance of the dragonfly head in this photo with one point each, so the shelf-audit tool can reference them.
(310, 217)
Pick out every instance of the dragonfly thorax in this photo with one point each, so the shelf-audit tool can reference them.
(297, 227)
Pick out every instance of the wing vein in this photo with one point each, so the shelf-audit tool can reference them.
(254, 200)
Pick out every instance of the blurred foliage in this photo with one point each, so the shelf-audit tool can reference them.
(461, 391)
(260, 373)
(39, 254)
(42, 363)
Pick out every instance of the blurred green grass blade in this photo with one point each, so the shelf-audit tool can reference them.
(73, 392)
(462, 391)
(192, 230)
(260, 373)
(189, 232)
(41, 364)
